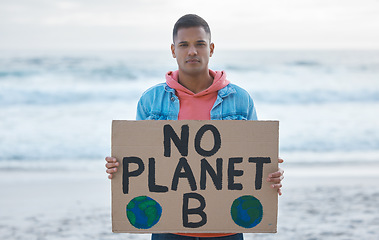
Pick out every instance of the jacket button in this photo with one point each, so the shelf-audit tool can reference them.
(173, 99)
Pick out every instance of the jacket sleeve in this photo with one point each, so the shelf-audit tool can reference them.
(252, 114)
(141, 112)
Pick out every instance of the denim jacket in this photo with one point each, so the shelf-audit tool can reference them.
(160, 103)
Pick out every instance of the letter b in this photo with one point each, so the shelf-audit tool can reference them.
(198, 211)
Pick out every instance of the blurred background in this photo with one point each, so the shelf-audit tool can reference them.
(67, 68)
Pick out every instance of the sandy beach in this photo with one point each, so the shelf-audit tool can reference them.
(318, 203)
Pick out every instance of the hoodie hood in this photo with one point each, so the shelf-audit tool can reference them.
(219, 82)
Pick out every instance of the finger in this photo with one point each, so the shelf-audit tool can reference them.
(110, 176)
(275, 180)
(280, 192)
(111, 159)
(111, 165)
(111, 170)
(275, 174)
(277, 186)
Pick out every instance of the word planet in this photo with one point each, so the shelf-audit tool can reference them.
(247, 211)
(143, 212)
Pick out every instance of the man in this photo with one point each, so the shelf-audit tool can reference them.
(194, 92)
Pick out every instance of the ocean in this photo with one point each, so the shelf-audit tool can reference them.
(57, 107)
(56, 110)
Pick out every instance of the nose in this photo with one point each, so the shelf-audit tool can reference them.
(192, 51)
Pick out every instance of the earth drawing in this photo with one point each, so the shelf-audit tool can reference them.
(247, 211)
(143, 212)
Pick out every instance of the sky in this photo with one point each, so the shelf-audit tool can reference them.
(147, 24)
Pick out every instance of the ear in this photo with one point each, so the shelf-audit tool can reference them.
(212, 47)
(173, 50)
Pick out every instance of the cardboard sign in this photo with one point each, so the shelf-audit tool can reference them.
(194, 176)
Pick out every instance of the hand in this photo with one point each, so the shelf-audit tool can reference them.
(111, 166)
(276, 178)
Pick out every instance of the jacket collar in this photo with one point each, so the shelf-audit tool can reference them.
(223, 92)
(226, 91)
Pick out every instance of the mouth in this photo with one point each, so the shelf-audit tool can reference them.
(192, 60)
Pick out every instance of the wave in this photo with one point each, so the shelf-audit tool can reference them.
(84, 69)
(39, 97)
(84, 162)
(11, 97)
(91, 146)
(134, 65)
(316, 96)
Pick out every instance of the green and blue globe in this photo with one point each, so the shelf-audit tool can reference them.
(143, 212)
(247, 211)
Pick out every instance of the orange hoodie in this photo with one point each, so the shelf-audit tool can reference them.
(197, 107)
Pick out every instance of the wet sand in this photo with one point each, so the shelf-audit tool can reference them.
(317, 203)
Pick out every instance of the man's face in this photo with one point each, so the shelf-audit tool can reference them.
(192, 50)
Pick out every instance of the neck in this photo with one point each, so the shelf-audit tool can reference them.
(195, 83)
